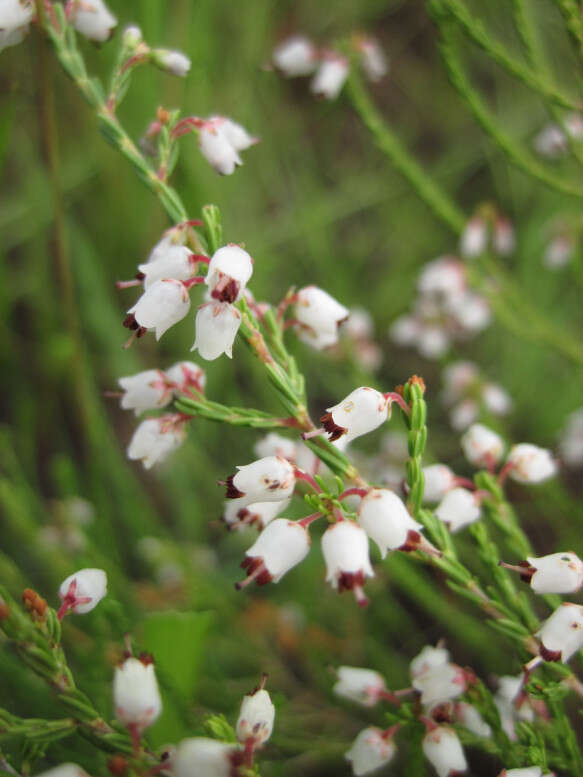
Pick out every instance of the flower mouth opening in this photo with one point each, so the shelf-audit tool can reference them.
(332, 428)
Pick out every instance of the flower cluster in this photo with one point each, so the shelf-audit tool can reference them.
(467, 394)
(298, 56)
(487, 230)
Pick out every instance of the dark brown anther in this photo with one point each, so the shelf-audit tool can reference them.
(232, 491)
(550, 655)
(332, 428)
(130, 322)
(146, 658)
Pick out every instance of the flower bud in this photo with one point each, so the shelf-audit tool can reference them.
(281, 545)
(362, 411)
(135, 693)
(373, 59)
(228, 273)
(217, 324)
(330, 76)
(270, 479)
(155, 439)
(364, 686)
(295, 56)
(440, 684)
(256, 718)
(274, 444)
(370, 750)
(481, 446)
(238, 514)
(147, 390)
(386, 520)
(15, 16)
(444, 752)
(217, 150)
(162, 305)
(474, 239)
(185, 375)
(175, 261)
(82, 591)
(530, 464)
(561, 635)
(318, 317)
(174, 62)
(470, 718)
(428, 659)
(345, 551)
(558, 573)
(132, 36)
(439, 479)
(93, 19)
(64, 770)
(458, 508)
(202, 757)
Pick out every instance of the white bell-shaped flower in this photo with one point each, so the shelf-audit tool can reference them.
(174, 62)
(359, 324)
(503, 237)
(155, 439)
(172, 238)
(561, 635)
(527, 771)
(217, 324)
(145, 391)
(464, 414)
(362, 411)
(318, 317)
(345, 551)
(162, 305)
(235, 133)
(440, 684)
(93, 19)
(175, 262)
(228, 273)
(444, 752)
(203, 757)
(82, 591)
(274, 444)
(374, 62)
(185, 375)
(439, 479)
(551, 141)
(270, 479)
(295, 56)
(386, 520)
(482, 447)
(471, 718)
(370, 750)
(135, 693)
(458, 378)
(559, 252)
(428, 659)
(364, 686)
(330, 77)
(512, 704)
(256, 718)
(557, 573)
(217, 150)
(15, 16)
(474, 239)
(281, 545)
(444, 276)
(237, 514)
(458, 508)
(496, 399)
(64, 770)
(528, 463)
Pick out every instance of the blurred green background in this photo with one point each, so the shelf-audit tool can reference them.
(315, 202)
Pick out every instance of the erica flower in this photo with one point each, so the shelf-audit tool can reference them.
(528, 771)
(64, 770)
(228, 273)
(145, 391)
(281, 545)
(270, 479)
(561, 635)
(557, 573)
(330, 76)
(364, 686)
(444, 752)
(363, 410)
(238, 514)
(15, 16)
(161, 306)
(373, 59)
(428, 659)
(471, 719)
(345, 551)
(458, 508)
(295, 56)
(202, 757)
(135, 693)
(440, 684)
(82, 591)
(571, 443)
(474, 238)
(256, 717)
(530, 464)
(220, 140)
(217, 324)
(170, 260)
(439, 479)
(481, 446)
(155, 439)
(318, 317)
(93, 19)
(371, 749)
(274, 444)
(174, 62)
(444, 276)
(185, 375)
(235, 133)
(387, 522)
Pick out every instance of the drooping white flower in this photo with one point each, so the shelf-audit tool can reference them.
(471, 718)
(345, 551)
(237, 514)
(162, 305)
(168, 260)
(557, 573)
(64, 770)
(444, 752)
(229, 271)
(386, 520)
(155, 439)
(256, 718)
(174, 62)
(295, 56)
(571, 442)
(235, 133)
(440, 684)
(458, 508)
(458, 378)
(528, 463)
(482, 447)
(474, 239)
(93, 19)
(270, 479)
(496, 399)
(512, 704)
(561, 635)
(444, 276)
(203, 757)
(216, 148)
(550, 141)
(217, 324)
(428, 659)
(330, 77)
(364, 686)
(274, 444)
(318, 317)
(558, 252)
(370, 750)
(15, 16)
(185, 375)
(362, 411)
(146, 390)
(439, 479)
(82, 591)
(359, 324)
(281, 545)
(503, 237)
(135, 693)
(374, 61)
(463, 414)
